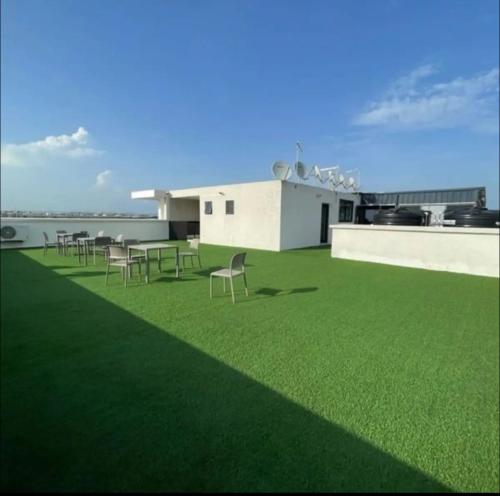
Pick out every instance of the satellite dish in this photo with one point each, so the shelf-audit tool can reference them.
(340, 179)
(350, 182)
(301, 170)
(281, 170)
(331, 179)
(353, 181)
(318, 173)
(331, 176)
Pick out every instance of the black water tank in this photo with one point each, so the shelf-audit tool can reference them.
(398, 217)
(472, 217)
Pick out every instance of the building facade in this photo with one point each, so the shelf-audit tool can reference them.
(269, 215)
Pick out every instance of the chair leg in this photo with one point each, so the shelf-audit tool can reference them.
(199, 261)
(126, 272)
(245, 281)
(211, 286)
(232, 288)
(107, 273)
(224, 284)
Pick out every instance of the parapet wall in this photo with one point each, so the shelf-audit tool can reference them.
(453, 249)
(32, 229)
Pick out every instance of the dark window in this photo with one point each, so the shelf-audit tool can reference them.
(230, 207)
(325, 210)
(208, 208)
(346, 208)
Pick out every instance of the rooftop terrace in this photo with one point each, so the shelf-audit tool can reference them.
(332, 375)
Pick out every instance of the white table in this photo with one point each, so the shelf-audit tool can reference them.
(147, 247)
(85, 243)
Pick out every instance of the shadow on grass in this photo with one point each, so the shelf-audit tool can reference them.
(282, 292)
(208, 271)
(112, 403)
(58, 267)
(309, 248)
(90, 273)
(171, 278)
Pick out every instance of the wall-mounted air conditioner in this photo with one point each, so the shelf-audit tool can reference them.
(12, 233)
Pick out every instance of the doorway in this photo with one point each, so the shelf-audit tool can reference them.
(325, 211)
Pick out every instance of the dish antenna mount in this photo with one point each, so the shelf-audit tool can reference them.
(331, 175)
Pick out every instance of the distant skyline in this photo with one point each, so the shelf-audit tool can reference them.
(103, 97)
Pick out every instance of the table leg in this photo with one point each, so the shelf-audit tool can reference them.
(159, 260)
(177, 262)
(147, 266)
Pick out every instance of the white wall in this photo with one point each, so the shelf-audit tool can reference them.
(143, 229)
(269, 215)
(256, 219)
(181, 209)
(301, 213)
(453, 249)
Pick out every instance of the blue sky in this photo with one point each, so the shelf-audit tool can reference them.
(103, 97)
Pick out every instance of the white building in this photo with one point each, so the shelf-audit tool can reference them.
(270, 215)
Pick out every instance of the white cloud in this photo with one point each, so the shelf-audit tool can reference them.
(406, 85)
(73, 146)
(103, 179)
(471, 103)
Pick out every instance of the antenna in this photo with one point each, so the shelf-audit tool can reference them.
(331, 175)
(300, 167)
(281, 170)
(298, 151)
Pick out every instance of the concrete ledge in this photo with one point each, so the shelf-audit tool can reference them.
(453, 249)
(148, 194)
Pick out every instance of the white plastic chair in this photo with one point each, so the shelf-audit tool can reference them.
(60, 240)
(117, 257)
(236, 269)
(48, 244)
(194, 245)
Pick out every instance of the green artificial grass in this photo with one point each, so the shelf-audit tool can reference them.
(331, 376)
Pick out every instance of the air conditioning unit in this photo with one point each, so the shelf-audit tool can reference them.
(13, 233)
